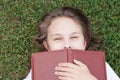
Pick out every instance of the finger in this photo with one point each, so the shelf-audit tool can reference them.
(64, 74)
(79, 63)
(65, 69)
(70, 65)
(64, 78)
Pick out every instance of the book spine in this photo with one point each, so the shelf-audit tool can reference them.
(70, 56)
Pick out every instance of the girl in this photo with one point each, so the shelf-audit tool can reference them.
(69, 28)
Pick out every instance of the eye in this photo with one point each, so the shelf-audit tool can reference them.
(74, 37)
(56, 39)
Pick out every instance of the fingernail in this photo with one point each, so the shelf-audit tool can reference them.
(56, 73)
(59, 64)
(74, 60)
(59, 77)
(56, 68)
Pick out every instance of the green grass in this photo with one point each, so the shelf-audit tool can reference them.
(18, 20)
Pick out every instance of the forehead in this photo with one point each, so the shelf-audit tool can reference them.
(64, 25)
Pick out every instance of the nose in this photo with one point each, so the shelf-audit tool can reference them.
(67, 45)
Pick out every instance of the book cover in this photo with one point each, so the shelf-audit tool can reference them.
(44, 63)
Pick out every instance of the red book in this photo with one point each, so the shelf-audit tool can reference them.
(44, 63)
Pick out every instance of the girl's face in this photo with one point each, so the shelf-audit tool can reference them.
(63, 33)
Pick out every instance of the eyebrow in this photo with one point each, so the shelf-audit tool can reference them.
(57, 34)
(76, 33)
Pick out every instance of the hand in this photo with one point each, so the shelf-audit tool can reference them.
(70, 71)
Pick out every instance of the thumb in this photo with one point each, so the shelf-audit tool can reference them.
(79, 63)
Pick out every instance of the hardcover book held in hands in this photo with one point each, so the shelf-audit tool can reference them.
(44, 63)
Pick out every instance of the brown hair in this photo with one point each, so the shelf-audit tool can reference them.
(73, 13)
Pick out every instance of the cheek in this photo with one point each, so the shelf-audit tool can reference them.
(79, 44)
(56, 46)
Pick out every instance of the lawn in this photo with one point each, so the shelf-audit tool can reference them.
(18, 21)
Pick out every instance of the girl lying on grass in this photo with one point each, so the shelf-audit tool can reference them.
(69, 28)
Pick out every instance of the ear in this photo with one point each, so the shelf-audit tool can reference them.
(45, 45)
